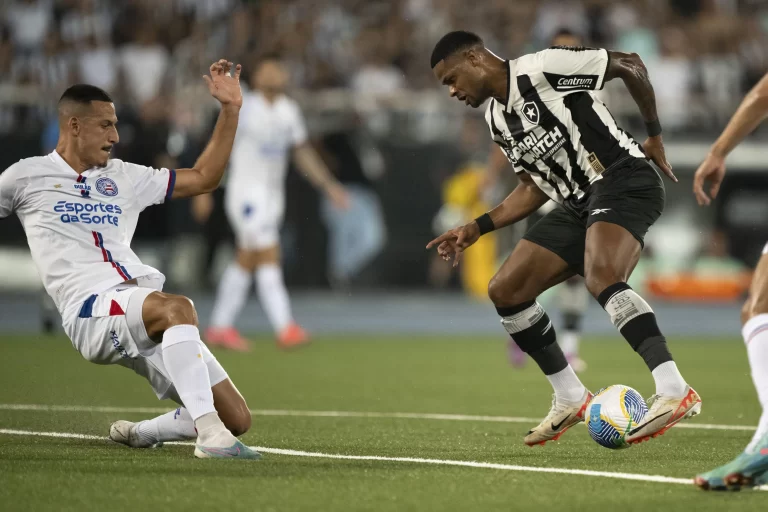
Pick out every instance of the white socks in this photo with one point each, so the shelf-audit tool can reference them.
(211, 432)
(176, 425)
(216, 372)
(193, 370)
(669, 381)
(183, 358)
(273, 296)
(569, 343)
(755, 333)
(231, 294)
(567, 385)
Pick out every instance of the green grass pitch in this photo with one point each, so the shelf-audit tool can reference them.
(420, 375)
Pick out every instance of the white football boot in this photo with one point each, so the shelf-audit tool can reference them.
(125, 432)
(223, 445)
(663, 414)
(562, 416)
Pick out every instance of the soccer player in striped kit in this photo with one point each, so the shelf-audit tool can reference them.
(564, 145)
(573, 297)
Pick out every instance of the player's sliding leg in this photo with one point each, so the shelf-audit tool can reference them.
(611, 254)
(751, 466)
(174, 319)
(177, 425)
(527, 272)
(574, 299)
(273, 297)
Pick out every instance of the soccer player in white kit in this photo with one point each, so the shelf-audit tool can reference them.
(751, 466)
(79, 209)
(271, 130)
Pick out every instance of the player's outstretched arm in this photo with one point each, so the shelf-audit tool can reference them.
(525, 199)
(630, 68)
(314, 169)
(752, 111)
(206, 175)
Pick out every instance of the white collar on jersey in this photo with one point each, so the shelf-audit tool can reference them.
(63, 163)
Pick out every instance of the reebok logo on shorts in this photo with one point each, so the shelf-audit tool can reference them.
(598, 211)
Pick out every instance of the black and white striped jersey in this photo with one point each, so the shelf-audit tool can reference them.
(553, 127)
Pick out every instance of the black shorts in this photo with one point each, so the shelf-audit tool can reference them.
(630, 195)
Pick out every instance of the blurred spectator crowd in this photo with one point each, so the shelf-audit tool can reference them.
(703, 54)
(366, 60)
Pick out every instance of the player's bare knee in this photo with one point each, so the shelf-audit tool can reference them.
(594, 285)
(236, 417)
(239, 424)
(496, 290)
(504, 291)
(755, 305)
(179, 310)
(600, 275)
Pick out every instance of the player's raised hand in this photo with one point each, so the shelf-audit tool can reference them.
(654, 149)
(223, 85)
(711, 171)
(456, 241)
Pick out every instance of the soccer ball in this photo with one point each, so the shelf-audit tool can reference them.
(612, 413)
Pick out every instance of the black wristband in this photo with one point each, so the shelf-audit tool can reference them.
(653, 128)
(485, 223)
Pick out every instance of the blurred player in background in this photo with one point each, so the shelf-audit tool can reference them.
(751, 466)
(573, 296)
(564, 145)
(79, 209)
(271, 131)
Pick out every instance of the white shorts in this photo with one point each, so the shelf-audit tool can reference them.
(255, 215)
(109, 329)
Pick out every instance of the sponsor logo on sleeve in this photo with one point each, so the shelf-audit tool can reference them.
(572, 82)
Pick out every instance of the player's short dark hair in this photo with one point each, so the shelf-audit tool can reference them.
(564, 32)
(453, 42)
(85, 94)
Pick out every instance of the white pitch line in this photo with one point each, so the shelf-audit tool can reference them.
(438, 462)
(337, 414)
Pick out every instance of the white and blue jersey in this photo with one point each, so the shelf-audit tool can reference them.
(255, 191)
(266, 134)
(79, 226)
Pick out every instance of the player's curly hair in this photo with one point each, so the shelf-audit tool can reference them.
(453, 42)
